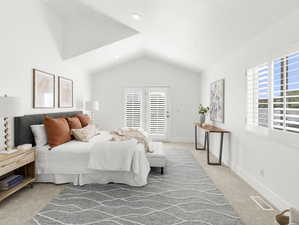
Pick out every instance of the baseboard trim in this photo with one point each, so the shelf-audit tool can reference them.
(264, 191)
(273, 198)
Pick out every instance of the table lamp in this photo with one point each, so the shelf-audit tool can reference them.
(9, 107)
(92, 106)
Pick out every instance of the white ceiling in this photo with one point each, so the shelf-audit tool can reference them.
(193, 33)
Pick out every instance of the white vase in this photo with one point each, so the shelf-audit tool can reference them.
(202, 118)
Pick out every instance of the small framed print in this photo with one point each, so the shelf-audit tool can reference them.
(65, 93)
(43, 90)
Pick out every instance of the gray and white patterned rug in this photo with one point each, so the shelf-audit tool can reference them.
(184, 195)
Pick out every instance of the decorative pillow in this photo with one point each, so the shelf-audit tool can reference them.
(74, 122)
(40, 135)
(85, 133)
(58, 131)
(84, 119)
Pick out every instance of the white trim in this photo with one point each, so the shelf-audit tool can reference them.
(284, 138)
(263, 190)
(256, 130)
(268, 194)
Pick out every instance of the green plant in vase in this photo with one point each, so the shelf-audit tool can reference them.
(202, 111)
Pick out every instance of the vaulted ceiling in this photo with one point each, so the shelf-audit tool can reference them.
(193, 33)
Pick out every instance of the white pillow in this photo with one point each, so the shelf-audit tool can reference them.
(85, 133)
(40, 135)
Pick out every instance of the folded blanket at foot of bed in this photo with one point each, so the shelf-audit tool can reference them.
(124, 134)
(120, 156)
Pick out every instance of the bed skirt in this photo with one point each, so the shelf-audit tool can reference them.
(103, 177)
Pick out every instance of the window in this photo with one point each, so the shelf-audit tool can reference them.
(258, 95)
(133, 108)
(146, 108)
(286, 93)
(273, 94)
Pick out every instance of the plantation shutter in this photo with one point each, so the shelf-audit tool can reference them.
(286, 93)
(258, 96)
(262, 96)
(133, 108)
(250, 98)
(157, 109)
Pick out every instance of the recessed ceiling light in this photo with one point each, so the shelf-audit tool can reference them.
(116, 57)
(136, 16)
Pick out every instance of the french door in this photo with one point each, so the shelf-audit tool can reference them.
(148, 108)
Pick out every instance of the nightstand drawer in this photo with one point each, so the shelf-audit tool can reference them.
(16, 162)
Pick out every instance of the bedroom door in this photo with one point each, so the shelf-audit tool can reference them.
(148, 108)
(157, 110)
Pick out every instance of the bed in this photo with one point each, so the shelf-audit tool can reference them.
(68, 163)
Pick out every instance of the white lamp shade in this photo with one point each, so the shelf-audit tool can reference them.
(92, 106)
(10, 106)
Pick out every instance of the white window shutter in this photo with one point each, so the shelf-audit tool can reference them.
(250, 120)
(262, 95)
(133, 108)
(258, 96)
(157, 109)
(286, 93)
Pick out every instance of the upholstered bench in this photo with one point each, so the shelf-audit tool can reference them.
(158, 157)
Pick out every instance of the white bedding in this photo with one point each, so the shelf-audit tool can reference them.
(69, 163)
(113, 156)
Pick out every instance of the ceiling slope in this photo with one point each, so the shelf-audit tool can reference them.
(85, 29)
(193, 33)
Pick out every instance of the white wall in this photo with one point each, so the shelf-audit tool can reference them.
(249, 154)
(108, 88)
(30, 37)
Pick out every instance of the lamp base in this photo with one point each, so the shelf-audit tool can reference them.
(9, 151)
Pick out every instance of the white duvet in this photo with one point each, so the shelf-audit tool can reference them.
(113, 156)
(69, 163)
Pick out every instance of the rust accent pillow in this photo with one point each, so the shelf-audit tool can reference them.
(84, 119)
(74, 122)
(58, 131)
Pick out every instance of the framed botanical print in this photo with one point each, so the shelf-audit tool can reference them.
(43, 90)
(65, 92)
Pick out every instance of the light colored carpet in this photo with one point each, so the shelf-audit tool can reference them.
(184, 195)
(23, 205)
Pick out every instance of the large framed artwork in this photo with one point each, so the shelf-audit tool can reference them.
(217, 101)
(43, 90)
(65, 92)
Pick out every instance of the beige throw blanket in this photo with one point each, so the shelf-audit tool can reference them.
(124, 134)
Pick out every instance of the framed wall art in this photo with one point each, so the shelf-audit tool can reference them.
(43, 90)
(65, 92)
(217, 101)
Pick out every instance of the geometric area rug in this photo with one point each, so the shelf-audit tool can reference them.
(184, 195)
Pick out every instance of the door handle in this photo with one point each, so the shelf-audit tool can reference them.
(167, 114)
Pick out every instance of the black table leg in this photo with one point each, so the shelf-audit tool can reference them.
(196, 145)
(220, 152)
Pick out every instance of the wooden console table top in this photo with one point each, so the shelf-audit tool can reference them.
(210, 128)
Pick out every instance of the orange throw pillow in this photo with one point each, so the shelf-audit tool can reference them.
(84, 119)
(74, 122)
(58, 131)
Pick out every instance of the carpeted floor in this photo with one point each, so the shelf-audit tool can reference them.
(184, 195)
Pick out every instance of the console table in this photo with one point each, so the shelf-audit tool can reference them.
(210, 129)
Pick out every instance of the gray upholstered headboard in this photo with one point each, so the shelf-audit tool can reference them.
(22, 130)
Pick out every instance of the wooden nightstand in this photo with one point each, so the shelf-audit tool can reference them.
(21, 162)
